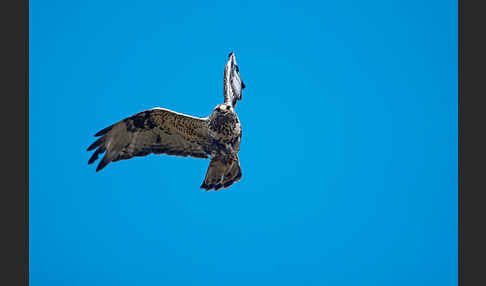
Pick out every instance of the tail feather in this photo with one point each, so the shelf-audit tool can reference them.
(233, 175)
(221, 174)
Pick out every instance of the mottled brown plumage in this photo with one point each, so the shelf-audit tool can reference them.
(162, 131)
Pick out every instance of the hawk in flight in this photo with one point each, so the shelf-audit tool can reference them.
(163, 131)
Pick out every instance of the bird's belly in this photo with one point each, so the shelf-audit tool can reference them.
(226, 140)
(225, 130)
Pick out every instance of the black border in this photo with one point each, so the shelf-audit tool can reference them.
(472, 143)
(26, 267)
(459, 141)
(14, 118)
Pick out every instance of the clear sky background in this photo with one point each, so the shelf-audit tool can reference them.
(349, 148)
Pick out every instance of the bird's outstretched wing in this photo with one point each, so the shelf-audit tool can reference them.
(158, 131)
(233, 84)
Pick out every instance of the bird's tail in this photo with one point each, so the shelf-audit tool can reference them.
(221, 174)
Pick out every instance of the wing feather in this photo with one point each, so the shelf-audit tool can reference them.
(233, 84)
(157, 131)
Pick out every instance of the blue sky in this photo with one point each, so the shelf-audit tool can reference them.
(349, 148)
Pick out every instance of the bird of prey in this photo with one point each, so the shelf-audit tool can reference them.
(162, 131)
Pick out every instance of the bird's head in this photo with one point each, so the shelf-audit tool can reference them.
(224, 108)
(222, 112)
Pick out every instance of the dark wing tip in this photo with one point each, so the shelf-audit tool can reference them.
(94, 157)
(97, 143)
(104, 131)
(229, 55)
(102, 164)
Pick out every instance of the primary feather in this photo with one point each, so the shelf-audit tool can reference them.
(233, 84)
(158, 131)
